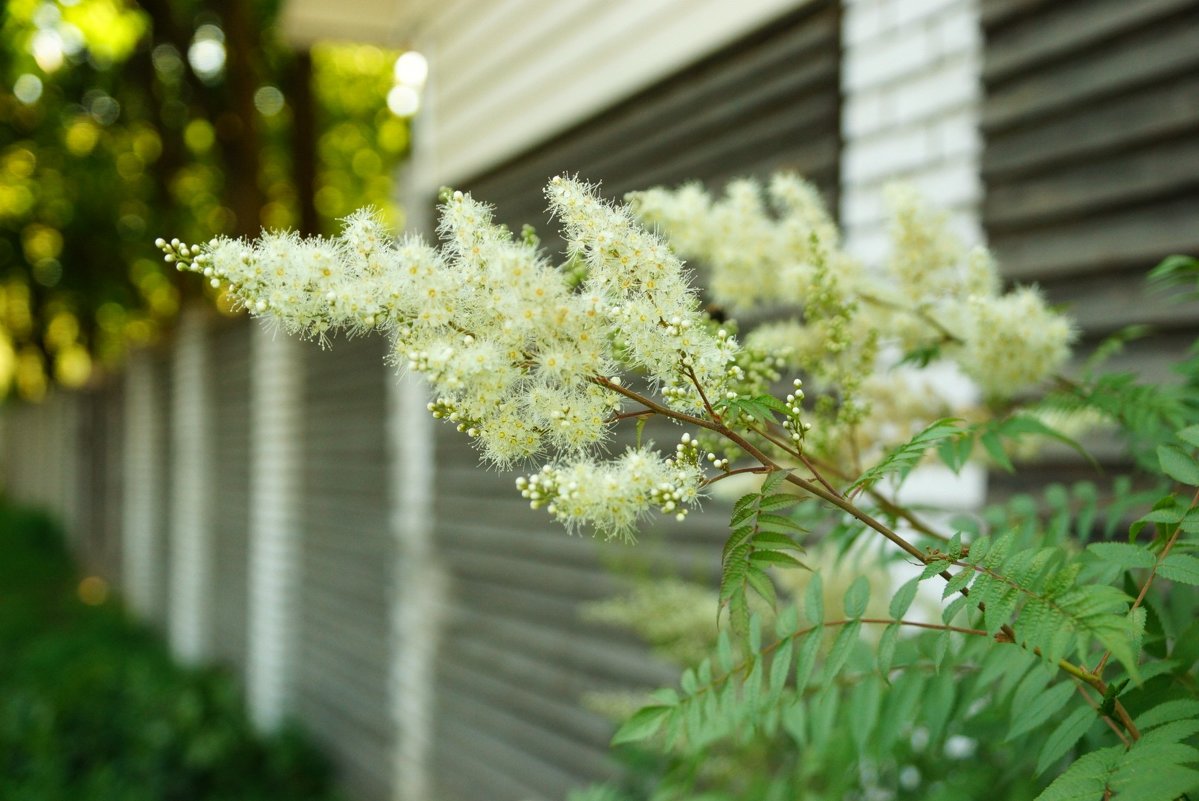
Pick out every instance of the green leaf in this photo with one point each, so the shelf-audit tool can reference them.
(665, 696)
(775, 559)
(1086, 779)
(772, 540)
(737, 537)
(780, 667)
(847, 637)
(990, 441)
(787, 622)
(934, 568)
(955, 452)
(1031, 715)
(761, 584)
(864, 703)
(886, 648)
(902, 459)
(953, 608)
(744, 503)
(755, 634)
(732, 577)
(1124, 554)
(1168, 712)
(724, 651)
(902, 600)
(807, 659)
(1189, 435)
(813, 600)
(1022, 424)
(772, 481)
(937, 703)
(642, 725)
(1178, 465)
(1181, 568)
(1063, 738)
(771, 522)
(857, 597)
(958, 582)
(772, 503)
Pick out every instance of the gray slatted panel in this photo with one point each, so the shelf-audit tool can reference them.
(346, 556)
(515, 656)
(88, 448)
(161, 370)
(229, 343)
(770, 101)
(1091, 164)
(110, 485)
(98, 483)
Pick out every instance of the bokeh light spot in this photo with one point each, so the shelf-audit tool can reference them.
(93, 591)
(199, 136)
(47, 49)
(412, 69)
(207, 53)
(268, 100)
(404, 101)
(28, 88)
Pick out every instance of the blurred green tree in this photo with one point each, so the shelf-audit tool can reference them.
(120, 120)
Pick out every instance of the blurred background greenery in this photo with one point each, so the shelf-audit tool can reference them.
(121, 121)
(93, 709)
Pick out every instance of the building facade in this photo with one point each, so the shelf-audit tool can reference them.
(294, 514)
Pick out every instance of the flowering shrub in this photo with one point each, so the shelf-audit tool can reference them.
(537, 363)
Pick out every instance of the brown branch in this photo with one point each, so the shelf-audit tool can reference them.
(738, 472)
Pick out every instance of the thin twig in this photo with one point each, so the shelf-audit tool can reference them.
(739, 471)
(1161, 557)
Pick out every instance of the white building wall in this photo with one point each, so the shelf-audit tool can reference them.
(515, 72)
(912, 95)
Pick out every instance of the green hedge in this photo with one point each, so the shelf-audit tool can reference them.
(93, 709)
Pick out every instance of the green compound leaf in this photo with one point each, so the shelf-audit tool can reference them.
(902, 600)
(1031, 715)
(1168, 712)
(1124, 554)
(902, 459)
(857, 597)
(1178, 465)
(643, 725)
(1063, 738)
(1181, 568)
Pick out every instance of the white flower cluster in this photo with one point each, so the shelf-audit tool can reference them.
(758, 254)
(646, 295)
(1006, 342)
(613, 496)
(515, 350)
(766, 247)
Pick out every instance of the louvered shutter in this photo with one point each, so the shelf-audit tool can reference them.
(346, 559)
(1091, 164)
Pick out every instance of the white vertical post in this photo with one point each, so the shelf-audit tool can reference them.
(418, 580)
(191, 474)
(142, 488)
(912, 81)
(274, 551)
(419, 586)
